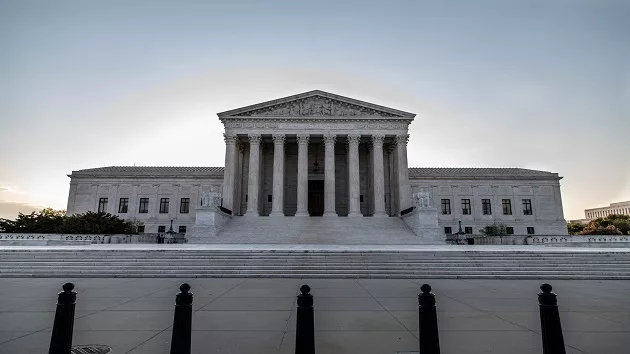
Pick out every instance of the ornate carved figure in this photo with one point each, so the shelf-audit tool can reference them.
(422, 198)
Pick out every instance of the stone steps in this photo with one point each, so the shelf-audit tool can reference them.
(449, 263)
(316, 230)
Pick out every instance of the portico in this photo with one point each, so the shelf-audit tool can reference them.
(316, 154)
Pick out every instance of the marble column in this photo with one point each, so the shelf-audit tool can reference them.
(353, 175)
(404, 189)
(302, 175)
(378, 174)
(277, 206)
(329, 176)
(253, 181)
(228, 174)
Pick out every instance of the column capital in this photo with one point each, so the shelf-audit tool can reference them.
(278, 139)
(402, 139)
(254, 138)
(354, 138)
(229, 139)
(330, 138)
(378, 139)
(303, 139)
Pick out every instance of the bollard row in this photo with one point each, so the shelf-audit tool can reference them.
(429, 341)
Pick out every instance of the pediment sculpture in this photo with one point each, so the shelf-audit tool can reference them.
(316, 106)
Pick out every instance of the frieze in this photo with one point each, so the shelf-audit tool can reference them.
(314, 124)
(316, 106)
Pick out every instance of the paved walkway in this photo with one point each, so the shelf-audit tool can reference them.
(352, 316)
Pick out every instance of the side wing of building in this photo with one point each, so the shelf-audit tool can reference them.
(527, 201)
(151, 195)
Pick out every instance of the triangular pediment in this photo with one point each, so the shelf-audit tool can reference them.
(316, 104)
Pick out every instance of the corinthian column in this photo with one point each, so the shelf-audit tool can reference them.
(353, 175)
(228, 173)
(278, 175)
(329, 176)
(254, 170)
(378, 175)
(404, 189)
(302, 176)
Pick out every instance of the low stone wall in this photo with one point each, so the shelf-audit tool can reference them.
(580, 240)
(52, 239)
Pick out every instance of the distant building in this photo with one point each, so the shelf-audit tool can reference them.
(621, 208)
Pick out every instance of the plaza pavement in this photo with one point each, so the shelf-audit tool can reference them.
(351, 316)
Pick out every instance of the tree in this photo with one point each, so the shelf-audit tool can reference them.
(609, 225)
(55, 221)
(575, 227)
(45, 221)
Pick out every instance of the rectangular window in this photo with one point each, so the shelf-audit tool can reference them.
(527, 206)
(448, 230)
(486, 206)
(507, 206)
(182, 229)
(123, 205)
(446, 206)
(163, 205)
(468, 229)
(140, 229)
(530, 230)
(509, 230)
(161, 228)
(466, 207)
(144, 206)
(102, 205)
(184, 206)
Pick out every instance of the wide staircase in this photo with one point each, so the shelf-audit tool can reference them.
(317, 231)
(439, 262)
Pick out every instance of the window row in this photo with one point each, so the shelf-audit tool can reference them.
(143, 205)
(603, 213)
(508, 230)
(486, 206)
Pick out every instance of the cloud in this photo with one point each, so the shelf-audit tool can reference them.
(10, 210)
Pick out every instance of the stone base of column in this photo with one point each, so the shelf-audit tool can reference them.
(380, 215)
(355, 215)
(276, 214)
(302, 214)
(330, 215)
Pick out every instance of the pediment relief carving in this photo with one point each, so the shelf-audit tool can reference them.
(316, 106)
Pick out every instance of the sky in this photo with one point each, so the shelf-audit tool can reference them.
(532, 84)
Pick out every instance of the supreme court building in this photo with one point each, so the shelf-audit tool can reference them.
(322, 155)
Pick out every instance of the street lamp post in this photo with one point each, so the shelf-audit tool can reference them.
(171, 232)
(460, 232)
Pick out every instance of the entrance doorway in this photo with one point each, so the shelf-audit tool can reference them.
(316, 198)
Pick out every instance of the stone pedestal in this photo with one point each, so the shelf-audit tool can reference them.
(209, 221)
(424, 223)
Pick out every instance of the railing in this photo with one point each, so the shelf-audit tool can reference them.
(428, 338)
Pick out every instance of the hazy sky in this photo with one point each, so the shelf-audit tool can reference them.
(534, 84)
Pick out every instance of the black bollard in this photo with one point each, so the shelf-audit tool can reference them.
(61, 340)
(182, 322)
(429, 337)
(305, 329)
(553, 342)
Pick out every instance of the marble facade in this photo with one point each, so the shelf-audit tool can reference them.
(319, 154)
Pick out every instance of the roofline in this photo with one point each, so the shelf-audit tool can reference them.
(235, 111)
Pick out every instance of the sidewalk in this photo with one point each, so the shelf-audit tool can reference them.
(351, 316)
